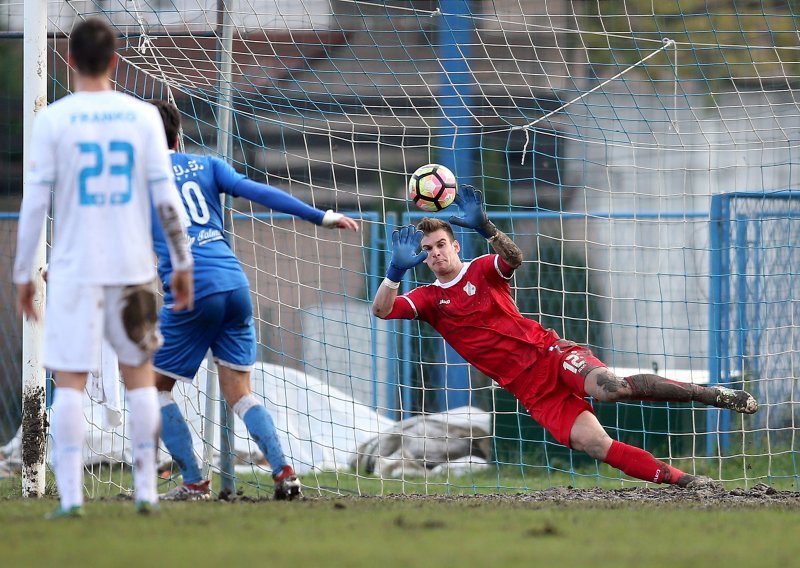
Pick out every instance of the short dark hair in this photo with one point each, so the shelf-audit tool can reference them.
(92, 45)
(429, 225)
(171, 119)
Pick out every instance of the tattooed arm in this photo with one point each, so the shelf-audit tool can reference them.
(182, 281)
(505, 247)
(175, 234)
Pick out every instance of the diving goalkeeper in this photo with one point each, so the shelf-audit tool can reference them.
(471, 306)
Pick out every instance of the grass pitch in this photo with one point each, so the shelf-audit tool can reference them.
(554, 527)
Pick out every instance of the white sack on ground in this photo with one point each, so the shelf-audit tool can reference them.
(454, 442)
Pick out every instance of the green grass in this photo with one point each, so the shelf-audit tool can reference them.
(334, 527)
(777, 471)
(398, 532)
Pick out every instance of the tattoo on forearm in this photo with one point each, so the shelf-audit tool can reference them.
(488, 229)
(507, 249)
(652, 387)
(173, 230)
(610, 383)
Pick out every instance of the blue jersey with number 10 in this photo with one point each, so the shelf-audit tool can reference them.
(200, 181)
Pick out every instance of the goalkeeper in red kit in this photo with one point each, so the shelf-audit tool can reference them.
(471, 306)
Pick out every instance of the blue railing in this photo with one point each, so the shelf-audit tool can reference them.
(737, 286)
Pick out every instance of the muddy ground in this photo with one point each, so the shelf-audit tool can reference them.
(758, 495)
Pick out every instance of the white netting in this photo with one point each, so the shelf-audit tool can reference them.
(600, 133)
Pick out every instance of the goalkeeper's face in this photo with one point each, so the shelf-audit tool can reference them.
(443, 257)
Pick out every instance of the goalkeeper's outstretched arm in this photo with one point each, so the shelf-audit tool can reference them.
(384, 299)
(470, 201)
(405, 244)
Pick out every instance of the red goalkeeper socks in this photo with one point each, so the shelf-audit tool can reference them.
(641, 464)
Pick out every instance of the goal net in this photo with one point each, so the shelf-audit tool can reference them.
(612, 141)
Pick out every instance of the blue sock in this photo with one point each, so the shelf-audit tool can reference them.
(262, 430)
(178, 439)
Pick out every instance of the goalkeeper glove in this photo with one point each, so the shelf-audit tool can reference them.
(405, 243)
(470, 201)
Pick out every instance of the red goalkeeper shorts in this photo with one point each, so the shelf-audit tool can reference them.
(553, 389)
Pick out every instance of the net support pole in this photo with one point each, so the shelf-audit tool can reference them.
(34, 408)
(209, 416)
(458, 143)
(718, 304)
(224, 104)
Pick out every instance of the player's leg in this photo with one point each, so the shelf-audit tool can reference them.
(187, 337)
(144, 426)
(565, 414)
(235, 353)
(588, 376)
(605, 386)
(588, 436)
(178, 440)
(235, 386)
(570, 420)
(68, 428)
(72, 337)
(131, 329)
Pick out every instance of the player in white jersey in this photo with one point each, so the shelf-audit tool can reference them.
(103, 156)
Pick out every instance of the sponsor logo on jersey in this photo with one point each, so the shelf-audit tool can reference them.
(470, 289)
(443, 301)
(206, 236)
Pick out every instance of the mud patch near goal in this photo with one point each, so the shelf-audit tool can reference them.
(758, 495)
(34, 427)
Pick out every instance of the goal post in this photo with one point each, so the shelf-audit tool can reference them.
(34, 418)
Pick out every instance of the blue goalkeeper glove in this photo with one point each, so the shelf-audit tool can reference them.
(470, 201)
(405, 243)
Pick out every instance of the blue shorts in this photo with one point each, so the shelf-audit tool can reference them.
(222, 322)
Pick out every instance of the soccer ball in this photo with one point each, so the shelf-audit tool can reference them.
(432, 187)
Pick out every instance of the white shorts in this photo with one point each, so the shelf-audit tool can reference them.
(79, 316)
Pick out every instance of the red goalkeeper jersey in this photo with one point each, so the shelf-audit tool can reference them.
(477, 316)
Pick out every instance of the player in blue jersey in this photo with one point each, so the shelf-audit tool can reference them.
(223, 316)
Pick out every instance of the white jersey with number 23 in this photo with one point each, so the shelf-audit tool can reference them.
(104, 155)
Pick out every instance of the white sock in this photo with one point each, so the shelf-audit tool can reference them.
(145, 422)
(68, 427)
(244, 404)
(165, 398)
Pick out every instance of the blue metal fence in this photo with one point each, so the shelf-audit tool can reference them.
(754, 303)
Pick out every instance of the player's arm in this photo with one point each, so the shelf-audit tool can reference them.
(470, 201)
(506, 249)
(384, 299)
(32, 214)
(233, 183)
(405, 244)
